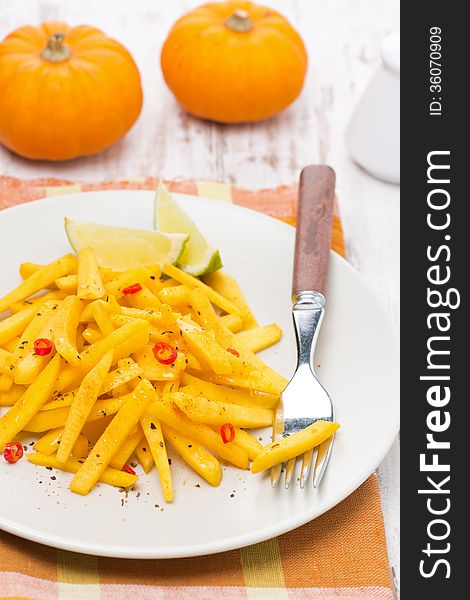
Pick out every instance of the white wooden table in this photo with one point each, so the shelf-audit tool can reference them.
(342, 38)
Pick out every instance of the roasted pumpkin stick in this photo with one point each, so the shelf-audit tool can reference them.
(89, 284)
(220, 393)
(11, 396)
(39, 280)
(51, 419)
(228, 287)
(15, 324)
(193, 282)
(68, 284)
(73, 465)
(203, 410)
(294, 445)
(21, 413)
(170, 414)
(37, 354)
(241, 357)
(195, 455)
(259, 338)
(82, 405)
(154, 436)
(127, 449)
(144, 456)
(113, 437)
(65, 331)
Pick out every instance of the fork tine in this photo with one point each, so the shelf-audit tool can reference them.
(324, 453)
(275, 474)
(308, 459)
(290, 471)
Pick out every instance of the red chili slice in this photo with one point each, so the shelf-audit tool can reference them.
(164, 353)
(234, 352)
(132, 289)
(13, 452)
(227, 432)
(128, 469)
(42, 346)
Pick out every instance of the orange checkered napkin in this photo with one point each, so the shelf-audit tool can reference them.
(342, 555)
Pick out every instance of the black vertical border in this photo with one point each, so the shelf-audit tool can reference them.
(420, 134)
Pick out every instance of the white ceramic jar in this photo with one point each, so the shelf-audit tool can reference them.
(373, 133)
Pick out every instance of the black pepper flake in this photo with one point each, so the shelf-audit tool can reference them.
(81, 461)
(161, 444)
(53, 477)
(49, 468)
(190, 445)
(197, 485)
(152, 276)
(144, 449)
(153, 426)
(232, 495)
(169, 461)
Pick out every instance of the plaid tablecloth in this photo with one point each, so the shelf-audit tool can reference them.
(341, 555)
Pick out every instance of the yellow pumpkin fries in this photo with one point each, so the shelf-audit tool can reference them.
(113, 436)
(103, 367)
(125, 452)
(21, 413)
(72, 465)
(39, 280)
(195, 455)
(259, 338)
(65, 333)
(89, 283)
(154, 436)
(82, 405)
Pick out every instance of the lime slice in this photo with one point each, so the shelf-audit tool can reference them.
(119, 248)
(198, 257)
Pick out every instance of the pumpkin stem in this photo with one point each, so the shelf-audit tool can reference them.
(239, 21)
(56, 50)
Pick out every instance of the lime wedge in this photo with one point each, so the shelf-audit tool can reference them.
(119, 248)
(198, 257)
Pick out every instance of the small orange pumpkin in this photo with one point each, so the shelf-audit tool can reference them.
(234, 62)
(65, 91)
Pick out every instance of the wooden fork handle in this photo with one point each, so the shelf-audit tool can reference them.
(314, 223)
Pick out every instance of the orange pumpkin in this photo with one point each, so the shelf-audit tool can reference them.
(65, 91)
(234, 62)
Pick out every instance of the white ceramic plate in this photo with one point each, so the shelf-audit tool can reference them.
(358, 363)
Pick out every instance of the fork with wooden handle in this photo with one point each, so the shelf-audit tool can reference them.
(305, 400)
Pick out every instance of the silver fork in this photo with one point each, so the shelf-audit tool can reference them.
(305, 400)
